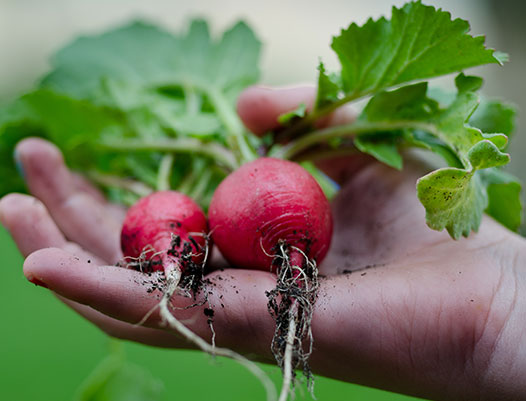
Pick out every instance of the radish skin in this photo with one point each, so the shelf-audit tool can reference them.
(156, 220)
(264, 202)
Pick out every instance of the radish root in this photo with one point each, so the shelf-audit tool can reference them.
(291, 304)
(173, 284)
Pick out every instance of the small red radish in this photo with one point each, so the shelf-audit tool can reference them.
(271, 213)
(167, 232)
(162, 224)
(266, 202)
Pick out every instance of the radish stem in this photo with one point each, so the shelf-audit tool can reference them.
(317, 137)
(218, 153)
(112, 181)
(165, 170)
(237, 136)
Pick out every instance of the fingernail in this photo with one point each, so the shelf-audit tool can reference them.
(36, 281)
(18, 164)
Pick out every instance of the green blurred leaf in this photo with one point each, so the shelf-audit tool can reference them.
(468, 83)
(494, 115)
(145, 56)
(381, 146)
(504, 201)
(73, 125)
(116, 379)
(285, 118)
(328, 88)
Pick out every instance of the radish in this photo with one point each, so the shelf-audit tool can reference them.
(163, 231)
(166, 233)
(272, 214)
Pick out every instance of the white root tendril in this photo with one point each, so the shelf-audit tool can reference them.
(173, 275)
(291, 304)
(286, 387)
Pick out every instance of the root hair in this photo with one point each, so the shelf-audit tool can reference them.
(291, 303)
(185, 277)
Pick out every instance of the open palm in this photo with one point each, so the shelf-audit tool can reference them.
(401, 307)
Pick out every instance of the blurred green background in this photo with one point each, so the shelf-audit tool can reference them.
(46, 350)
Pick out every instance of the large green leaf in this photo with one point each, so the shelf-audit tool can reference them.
(418, 42)
(146, 56)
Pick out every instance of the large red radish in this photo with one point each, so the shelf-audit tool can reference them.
(271, 214)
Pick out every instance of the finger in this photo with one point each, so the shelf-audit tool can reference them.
(79, 216)
(32, 228)
(29, 223)
(83, 185)
(241, 318)
(259, 107)
(122, 330)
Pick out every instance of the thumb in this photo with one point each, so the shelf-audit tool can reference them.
(260, 107)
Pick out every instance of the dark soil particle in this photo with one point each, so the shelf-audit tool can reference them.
(209, 312)
(192, 278)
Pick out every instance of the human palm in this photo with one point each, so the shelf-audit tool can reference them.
(400, 307)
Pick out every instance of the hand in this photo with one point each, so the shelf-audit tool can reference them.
(426, 315)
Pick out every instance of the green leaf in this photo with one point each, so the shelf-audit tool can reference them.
(234, 60)
(504, 201)
(66, 121)
(452, 129)
(485, 154)
(143, 83)
(418, 42)
(406, 103)
(203, 125)
(468, 83)
(494, 115)
(138, 53)
(383, 147)
(146, 56)
(328, 88)
(73, 125)
(454, 199)
(286, 118)
(422, 139)
(118, 380)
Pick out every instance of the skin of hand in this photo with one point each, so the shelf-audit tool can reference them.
(420, 314)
